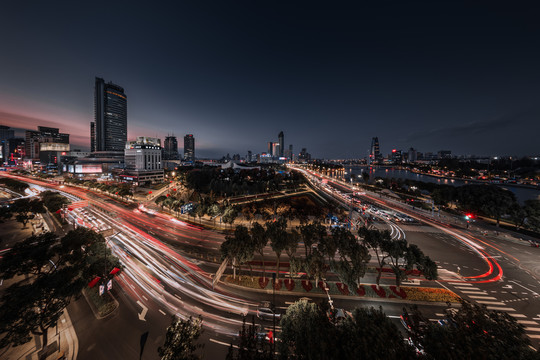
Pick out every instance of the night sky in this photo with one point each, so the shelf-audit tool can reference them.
(433, 75)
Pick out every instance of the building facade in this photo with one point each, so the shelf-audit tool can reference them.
(41, 143)
(170, 148)
(281, 141)
(143, 161)
(189, 148)
(375, 152)
(110, 117)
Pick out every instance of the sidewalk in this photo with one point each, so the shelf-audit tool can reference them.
(63, 344)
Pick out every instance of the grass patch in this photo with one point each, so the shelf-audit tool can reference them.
(104, 304)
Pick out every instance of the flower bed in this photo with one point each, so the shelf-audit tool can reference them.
(338, 288)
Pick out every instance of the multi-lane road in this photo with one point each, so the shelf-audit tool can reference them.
(161, 277)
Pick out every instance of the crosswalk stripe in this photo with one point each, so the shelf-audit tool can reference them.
(482, 297)
(475, 292)
(534, 336)
(527, 322)
(532, 329)
(439, 314)
(518, 315)
(468, 288)
(457, 284)
(500, 308)
(490, 302)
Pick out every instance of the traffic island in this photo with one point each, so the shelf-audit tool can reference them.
(305, 286)
(102, 306)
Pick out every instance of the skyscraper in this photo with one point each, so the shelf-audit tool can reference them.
(110, 113)
(170, 151)
(281, 144)
(375, 153)
(92, 136)
(189, 148)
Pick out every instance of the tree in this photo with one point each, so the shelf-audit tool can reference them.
(229, 215)
(306, 333)
(474, 332)
(259, 239)
(253, 344)
(238, 248)
(277, 233)
(365, 176)
(370, 334)
(53, 200)
(377, 241)
(180, 340)
(312, 234)
(25, 209)
(532, 209)
(353, 257)
(295, 264)
(160, 199)
(57, 275)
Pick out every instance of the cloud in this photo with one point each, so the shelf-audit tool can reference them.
(478, 128)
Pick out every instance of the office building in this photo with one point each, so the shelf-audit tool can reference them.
(375, 153)
(413, 155)
(142, 160)
(170, 149)
(275, 150)
(41, 143)
(189, 148)
(281, 144)
(110, 115)
(92, 136)
(5, 134)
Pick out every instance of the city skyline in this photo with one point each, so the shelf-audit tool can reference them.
(331, 78)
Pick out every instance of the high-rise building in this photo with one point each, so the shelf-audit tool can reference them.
(413, 155)
(270, 146)
(281, 144)
(375, 153)
(275, 149)
(189, 148)
(249, 157)
(92, 136)
(170, 150)
(43, 142)
(110, 113)
(5, 134)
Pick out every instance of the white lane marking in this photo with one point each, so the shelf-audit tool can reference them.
(527, 322)
(534, 336)
(145, 298)
(439, 314)
(223, 343)
(500, 308)
(468, 288)
(458, 284)
(490, 302)
(143, 312)
(162, 312)
(482, 297)
(532, 329)
(518, 315)
(475, 292)
(533, 292)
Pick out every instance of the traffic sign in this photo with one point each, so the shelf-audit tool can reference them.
(109, 285)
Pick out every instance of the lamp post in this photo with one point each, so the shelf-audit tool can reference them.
(274, 313)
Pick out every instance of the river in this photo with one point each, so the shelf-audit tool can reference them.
(521, 193)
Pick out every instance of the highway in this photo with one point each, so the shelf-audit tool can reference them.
(161, 279)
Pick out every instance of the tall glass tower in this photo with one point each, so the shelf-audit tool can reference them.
(110, 114)
(189, 148)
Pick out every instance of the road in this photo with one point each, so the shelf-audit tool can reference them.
(499, 271)
(162, 278)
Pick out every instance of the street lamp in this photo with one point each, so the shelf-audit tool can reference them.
(274, 313)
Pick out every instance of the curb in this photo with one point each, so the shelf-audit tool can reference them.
(95, 310)
(342, 297)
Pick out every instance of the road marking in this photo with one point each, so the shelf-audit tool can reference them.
(490, 302)
(223, 343)
(475, 292)
(533, 292)
(458, 284)
(162, 312)
(518, 315)
(145, 298)
(527, 322)
(500, 308)
(143, 312)
(532, 329)
(482, 297)
(534, 336)
(467, 288)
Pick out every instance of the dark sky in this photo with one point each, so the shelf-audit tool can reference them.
(432, 75)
